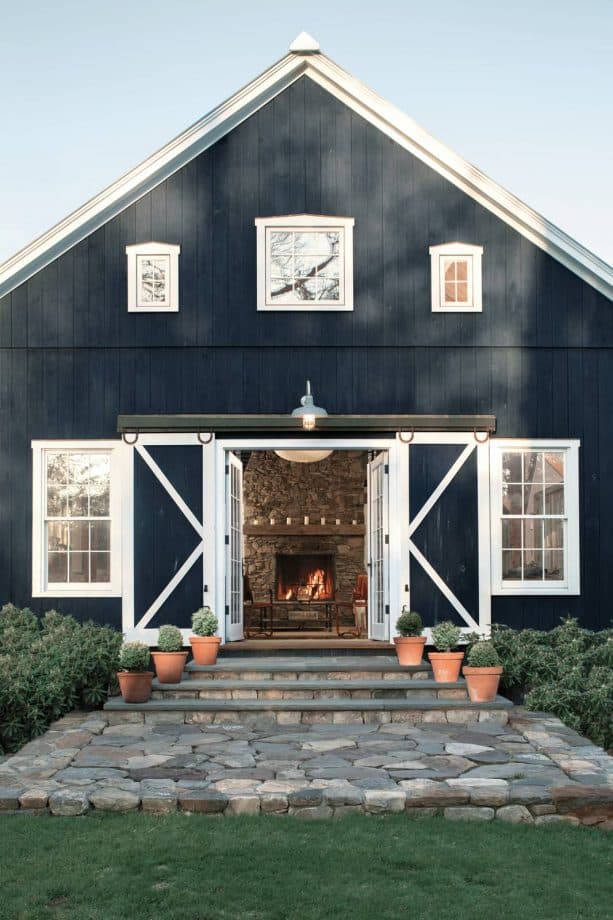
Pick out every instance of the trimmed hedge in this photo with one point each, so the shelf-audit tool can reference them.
(49, 666)
(568, 671)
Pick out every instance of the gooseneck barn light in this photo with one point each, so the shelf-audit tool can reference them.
(309, 413)
(307, 410)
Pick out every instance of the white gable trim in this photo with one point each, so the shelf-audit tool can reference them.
(398, 126)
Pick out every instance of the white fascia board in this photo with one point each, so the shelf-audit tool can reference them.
(362, 100)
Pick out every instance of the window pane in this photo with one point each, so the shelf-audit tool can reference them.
(306, 289)
(533, 565)
(511, 533)
(101, 567)
(554, 467)
(327, 289)
(462, 292)
(450, 267)
(331, 268)
(101, 535)
(57, 567)
(511, 565)
(533, 466)
(77, 501)
(78, 535)
(554, 534)
(462, 270)
(533, 533)
(57, 536)
(449, 292)
(511, 467)
(554, 499)
(511, 499)
(78, 567)
(99, 499)
(554, 565)
(533, 499)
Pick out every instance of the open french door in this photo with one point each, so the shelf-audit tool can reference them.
(234, 547)
(378, 546)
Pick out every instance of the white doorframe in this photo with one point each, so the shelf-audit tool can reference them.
(391, 445)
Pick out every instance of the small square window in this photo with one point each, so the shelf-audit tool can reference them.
(305, 262)
(153, 278)
(456, 278)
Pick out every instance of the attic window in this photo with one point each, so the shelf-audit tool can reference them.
(456, 278)
(305, 262)
(153, 278)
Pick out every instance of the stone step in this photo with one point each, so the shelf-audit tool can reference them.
(343, 710)
(296, 668)
(309, 689)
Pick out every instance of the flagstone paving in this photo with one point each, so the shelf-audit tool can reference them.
(533, 770)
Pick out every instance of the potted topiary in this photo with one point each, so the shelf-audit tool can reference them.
(170, 658)
(445, 662)
(205, 644)
(482, 672)
(410, 643)
(134, 675)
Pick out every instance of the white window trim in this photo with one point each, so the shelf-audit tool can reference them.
(444, 251)
(169, 250)
(305, 222)
(120, 456)
(572, 581)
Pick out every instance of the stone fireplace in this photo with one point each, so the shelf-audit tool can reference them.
(283, 557)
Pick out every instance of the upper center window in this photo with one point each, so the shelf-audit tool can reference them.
(305, 262)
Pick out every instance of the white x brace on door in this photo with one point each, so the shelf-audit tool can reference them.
(478, 618)
(137, 623)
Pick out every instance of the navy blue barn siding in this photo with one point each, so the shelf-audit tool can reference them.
(540, 356)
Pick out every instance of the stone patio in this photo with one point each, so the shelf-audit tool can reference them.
(533, 770)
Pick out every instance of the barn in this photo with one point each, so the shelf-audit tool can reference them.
(307, 366)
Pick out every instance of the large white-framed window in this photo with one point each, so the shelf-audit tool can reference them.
(535, 516)
(305, 262)
(77, 518)
(153, 278)
(456, 278)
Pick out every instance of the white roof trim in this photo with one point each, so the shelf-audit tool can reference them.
(402, 129)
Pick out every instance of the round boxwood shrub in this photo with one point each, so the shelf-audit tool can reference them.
(134, 656)
(483, 655)
(204, 622)
(409, 623)
(170, 639)
(445, 636)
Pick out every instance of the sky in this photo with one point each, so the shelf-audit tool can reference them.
(522, 89)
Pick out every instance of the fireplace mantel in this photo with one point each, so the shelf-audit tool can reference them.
(303, 530)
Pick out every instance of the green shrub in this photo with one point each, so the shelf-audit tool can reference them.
(409, 623)
(445, 636)
(482, 655)
(49, 666)
(204, 622)
(134, 656)
(170, 639)
(567, 671)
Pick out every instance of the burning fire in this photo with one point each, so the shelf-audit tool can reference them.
(317, 586)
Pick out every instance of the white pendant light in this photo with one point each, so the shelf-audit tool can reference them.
(303, 456)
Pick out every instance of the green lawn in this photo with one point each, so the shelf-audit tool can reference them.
(178, 867)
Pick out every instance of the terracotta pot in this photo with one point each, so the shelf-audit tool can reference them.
(169, 666)
(135, 686)
(205, 648)
(409, 649)
(482, 683)
(446, 666)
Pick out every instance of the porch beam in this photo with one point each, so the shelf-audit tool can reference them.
(133, 424)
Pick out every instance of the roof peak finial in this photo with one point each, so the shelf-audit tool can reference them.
(304, 44)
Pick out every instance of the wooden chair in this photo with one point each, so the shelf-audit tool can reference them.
(359, 608)
(258, 615)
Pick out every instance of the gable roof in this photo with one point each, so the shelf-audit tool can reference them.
(305, 59)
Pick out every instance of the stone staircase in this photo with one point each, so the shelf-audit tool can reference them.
(293, 689)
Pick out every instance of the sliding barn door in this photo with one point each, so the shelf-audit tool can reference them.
(448, 529)
(234, 547)
(378, 546)
(173, 545)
